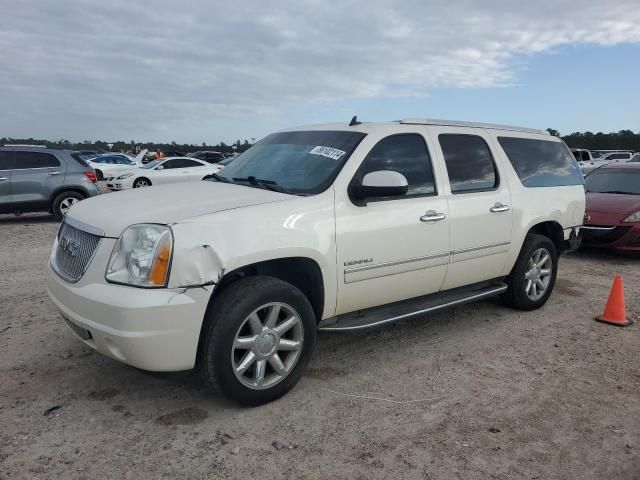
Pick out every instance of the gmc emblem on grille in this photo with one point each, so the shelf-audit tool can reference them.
(69, 246)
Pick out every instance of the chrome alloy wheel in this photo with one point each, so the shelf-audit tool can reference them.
(267, 346)
(538, 275)
(141, 183)
(67, 203)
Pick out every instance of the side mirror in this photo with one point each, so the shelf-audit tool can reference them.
(379, 184)
(159, 167)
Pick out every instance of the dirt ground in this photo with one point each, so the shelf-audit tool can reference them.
(478, 392)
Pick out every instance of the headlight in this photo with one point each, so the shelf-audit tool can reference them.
(142, 256)
(633, 218)
(126, 175)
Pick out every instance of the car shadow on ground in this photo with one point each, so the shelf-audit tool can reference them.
(29, 218)
(604, 255)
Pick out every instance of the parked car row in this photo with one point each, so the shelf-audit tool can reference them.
(588, 160)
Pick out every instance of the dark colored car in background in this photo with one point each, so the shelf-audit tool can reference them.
(612, 218)
(37, 179)
(208, 156)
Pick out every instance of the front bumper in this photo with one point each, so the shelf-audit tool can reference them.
(620, 238)
(151, 329)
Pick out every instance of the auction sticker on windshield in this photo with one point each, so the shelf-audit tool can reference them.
(328, 152)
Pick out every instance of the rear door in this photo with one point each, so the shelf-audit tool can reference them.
(36, 175)
(195, 170)
(6, 165)
(479, 206)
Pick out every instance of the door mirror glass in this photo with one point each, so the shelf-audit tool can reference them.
(382, 183)
(159, 167)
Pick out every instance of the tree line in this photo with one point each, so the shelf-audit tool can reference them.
(132, 146)
(622, 140)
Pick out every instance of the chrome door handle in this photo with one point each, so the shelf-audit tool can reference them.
(432, 216)
(54, 173)
(500, 207)
(3, 178)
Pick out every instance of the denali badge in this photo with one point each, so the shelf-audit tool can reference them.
(358, 262)
(69, 246)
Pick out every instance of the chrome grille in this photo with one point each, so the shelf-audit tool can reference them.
(74, 252)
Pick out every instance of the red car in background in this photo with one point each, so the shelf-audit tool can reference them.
(612, 218)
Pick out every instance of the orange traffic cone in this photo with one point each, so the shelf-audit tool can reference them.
(615, 312)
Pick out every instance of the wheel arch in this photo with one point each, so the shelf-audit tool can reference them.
(63, 189)
(303, 273)
(552, 230)
(142, 177)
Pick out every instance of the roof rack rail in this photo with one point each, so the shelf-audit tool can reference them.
(453, 123)
(23, 145)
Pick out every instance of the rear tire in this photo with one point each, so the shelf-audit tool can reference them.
(258, 337)
(99, 176)
(63, 202)
(534, 275)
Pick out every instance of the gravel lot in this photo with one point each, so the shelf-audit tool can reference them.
(477, 392)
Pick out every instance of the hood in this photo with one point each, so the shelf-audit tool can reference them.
(167, 204)
(612, 203)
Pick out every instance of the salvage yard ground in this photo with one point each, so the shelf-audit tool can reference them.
(477, 392)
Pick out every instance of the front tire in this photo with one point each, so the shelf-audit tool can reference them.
(258, 338)
(141, 183)
(534, 275)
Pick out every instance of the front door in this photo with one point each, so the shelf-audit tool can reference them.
(479, 206)
(393, 248)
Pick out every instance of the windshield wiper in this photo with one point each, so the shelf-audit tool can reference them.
(266, 184)
(217, 178)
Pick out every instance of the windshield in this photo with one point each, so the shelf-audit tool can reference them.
(152, 164)
(625, 181)
(297, 162)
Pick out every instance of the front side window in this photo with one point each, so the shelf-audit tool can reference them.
(541, 163)
(469, 163)
(35, 160)
(406, 154)
(171, 164)
(302, 162)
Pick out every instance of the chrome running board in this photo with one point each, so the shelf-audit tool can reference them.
(394, 312)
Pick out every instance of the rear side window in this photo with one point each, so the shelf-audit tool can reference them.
(406, 154)
(80, 159)
(190, 163)
(540, 163)
(469, 163)
(35, 160)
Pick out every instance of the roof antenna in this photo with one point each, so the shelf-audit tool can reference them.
(354, 121)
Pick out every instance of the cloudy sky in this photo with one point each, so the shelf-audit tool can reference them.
(210, 71)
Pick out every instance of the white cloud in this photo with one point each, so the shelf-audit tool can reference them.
(150, 69)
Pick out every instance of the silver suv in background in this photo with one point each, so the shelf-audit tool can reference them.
(34, 179)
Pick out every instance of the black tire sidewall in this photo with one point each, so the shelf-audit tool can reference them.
(58, 200)
(228, 312)
(99, 175)
(516, 295)
(141, 179)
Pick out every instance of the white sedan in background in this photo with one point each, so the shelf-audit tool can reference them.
(110, 166)
(167, 170)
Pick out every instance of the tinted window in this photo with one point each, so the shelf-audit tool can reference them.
(35, 160)
(170, 164)
(189, 163)
(618, 156)
(469, 163)
(585, 156)
(406, 154)
(576, 154)
(540, 163)
(6, 161)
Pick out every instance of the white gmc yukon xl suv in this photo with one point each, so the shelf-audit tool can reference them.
(321, 228)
